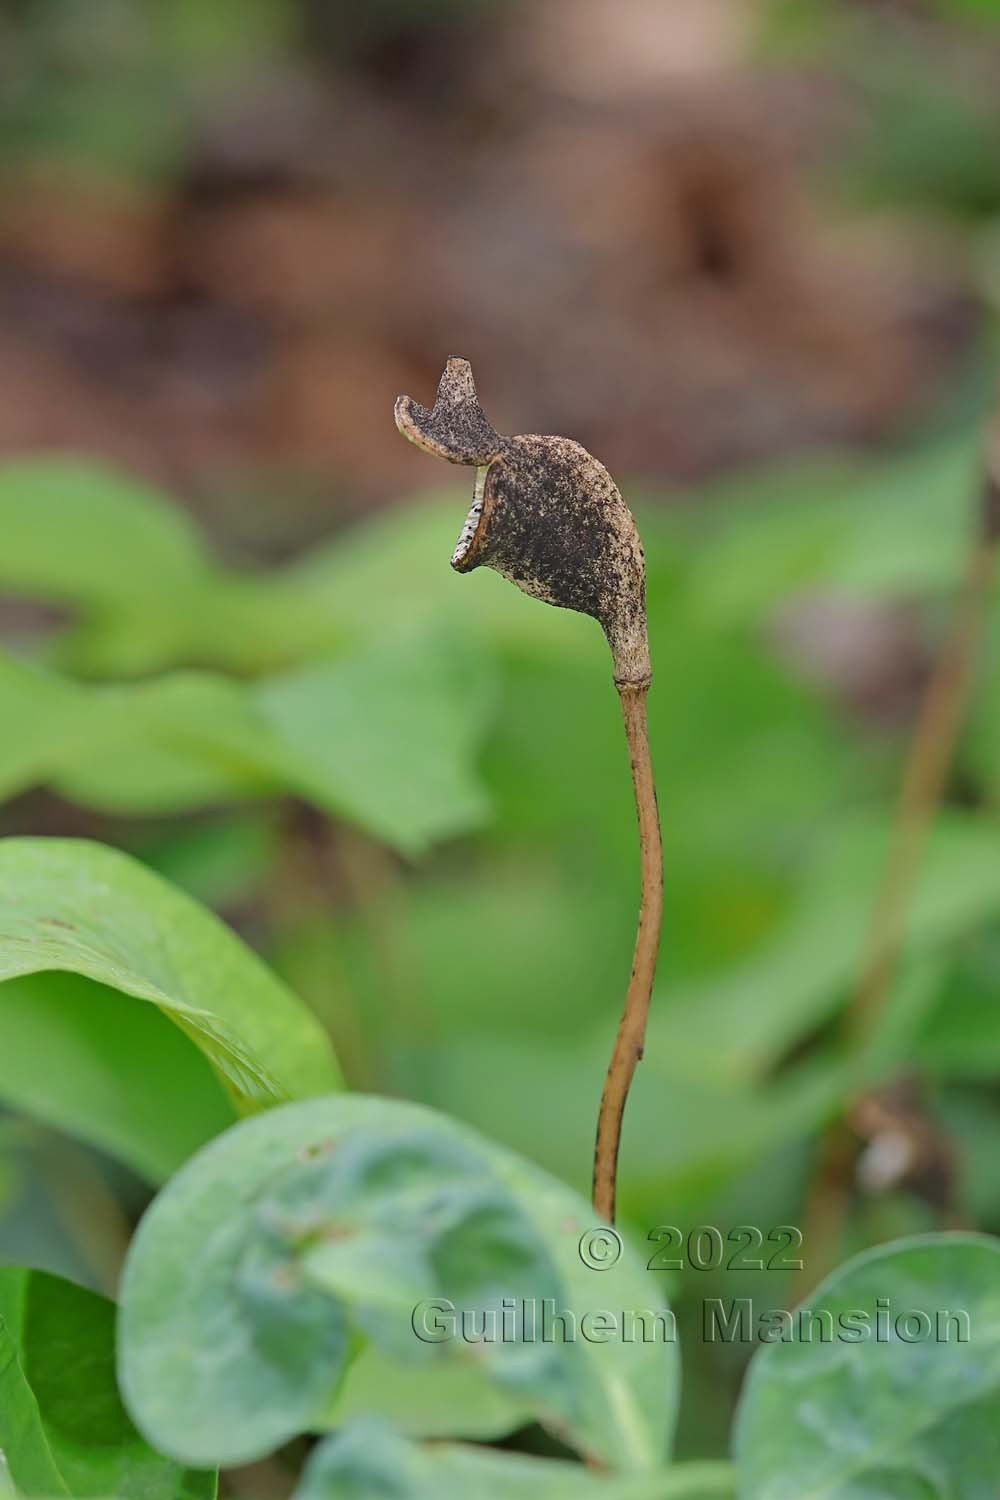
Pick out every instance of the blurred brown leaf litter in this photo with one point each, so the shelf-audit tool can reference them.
(603, 206)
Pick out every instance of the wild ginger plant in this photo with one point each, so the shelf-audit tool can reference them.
(373, 1273)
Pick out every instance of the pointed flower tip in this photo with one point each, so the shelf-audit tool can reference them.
(456, 429)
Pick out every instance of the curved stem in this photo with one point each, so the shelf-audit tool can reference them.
(927, 766)
(632, 1028)
(928, 763)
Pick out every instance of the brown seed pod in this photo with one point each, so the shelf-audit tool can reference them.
(544, 513)
(549, 517)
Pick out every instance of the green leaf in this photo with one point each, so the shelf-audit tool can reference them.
(453, 1403)
(75, 1055)
(222, 860)
(386, 737)
(980, 746)
(173, 745)
(71, 905)
(63, 1429)
(867, 1412)
(987, 9)
(860, 530)
(296, 1235)
(389, 735)
(970, 1120)
(163, 746)
(145, 590)
(734, 1027)
(77, 533)
(367, 1459)
(961, 1036)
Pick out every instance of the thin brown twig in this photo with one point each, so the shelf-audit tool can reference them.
(631, 1035)
(931, 752)
(926, 771)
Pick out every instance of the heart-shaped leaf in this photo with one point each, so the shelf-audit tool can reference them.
(886, 1383)
(299, 1234)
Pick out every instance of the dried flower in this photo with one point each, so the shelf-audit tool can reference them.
(544, 513)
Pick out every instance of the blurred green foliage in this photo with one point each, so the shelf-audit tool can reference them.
(73, 907)
(369, 1455)
(926, 132)
(408, 791)
(115, 86)
(63, 1428)
(411, 790)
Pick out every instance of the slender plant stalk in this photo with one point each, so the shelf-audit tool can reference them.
(631, 1036)
(924, 777)
(549, 517)
(931, 752)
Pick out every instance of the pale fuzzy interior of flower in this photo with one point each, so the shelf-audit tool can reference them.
(472, 519)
